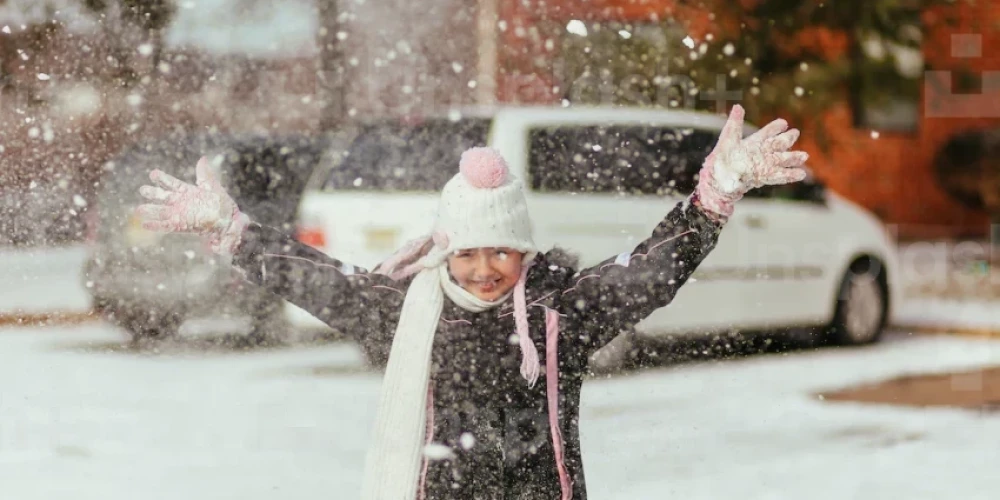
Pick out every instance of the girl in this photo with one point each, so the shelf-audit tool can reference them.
(487, 338)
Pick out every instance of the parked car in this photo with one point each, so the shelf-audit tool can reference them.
(151, 283)
(599, 179)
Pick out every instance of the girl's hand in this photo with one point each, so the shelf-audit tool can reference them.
(203, 208)
(737, 165)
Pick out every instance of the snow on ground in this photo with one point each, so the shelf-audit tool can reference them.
(80, 419)
(949, 313)
(42, 280)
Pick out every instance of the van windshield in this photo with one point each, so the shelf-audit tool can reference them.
(394, 156)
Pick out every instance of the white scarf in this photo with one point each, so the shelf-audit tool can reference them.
(392, 467)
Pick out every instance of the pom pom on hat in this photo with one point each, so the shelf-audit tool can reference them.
(483, 168)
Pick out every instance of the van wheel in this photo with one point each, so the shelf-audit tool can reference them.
(145, 326)
(862, 305)
(268, 327)
(617, 355)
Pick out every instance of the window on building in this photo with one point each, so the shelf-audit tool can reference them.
(886, 86)
(617, 63)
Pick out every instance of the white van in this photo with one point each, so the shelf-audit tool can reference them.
(599, 180)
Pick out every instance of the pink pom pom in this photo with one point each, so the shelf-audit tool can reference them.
(484, 168)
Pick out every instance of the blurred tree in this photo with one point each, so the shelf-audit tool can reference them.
(803, 56)
(134, 29)
(794, 58)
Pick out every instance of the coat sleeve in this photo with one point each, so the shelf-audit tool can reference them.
(621, 291)
(337, 293)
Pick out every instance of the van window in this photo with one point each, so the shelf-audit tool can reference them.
(809, 190)
(625, 159)
(394, 156)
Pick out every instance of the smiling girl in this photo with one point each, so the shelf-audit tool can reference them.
(473, 316)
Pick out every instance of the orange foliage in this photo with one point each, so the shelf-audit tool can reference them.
(822, 42)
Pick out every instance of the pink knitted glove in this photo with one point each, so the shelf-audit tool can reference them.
(737, 165)
(204, 208)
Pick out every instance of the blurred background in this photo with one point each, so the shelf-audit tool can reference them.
(82, 80)
(897, 101)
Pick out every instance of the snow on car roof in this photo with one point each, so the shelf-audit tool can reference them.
(590, 114)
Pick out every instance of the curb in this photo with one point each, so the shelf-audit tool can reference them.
(958, 331)
(48, 319)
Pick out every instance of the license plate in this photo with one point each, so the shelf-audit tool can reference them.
(381, 239)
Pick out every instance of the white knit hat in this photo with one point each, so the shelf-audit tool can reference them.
(483, 206)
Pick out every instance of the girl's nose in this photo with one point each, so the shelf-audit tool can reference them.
(482, 268)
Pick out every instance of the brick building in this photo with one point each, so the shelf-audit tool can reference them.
(890, 172)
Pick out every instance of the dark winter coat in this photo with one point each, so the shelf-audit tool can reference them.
(475, 377)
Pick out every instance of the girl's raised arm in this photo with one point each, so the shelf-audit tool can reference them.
(621, 291)
(613, 296)
(327, 288)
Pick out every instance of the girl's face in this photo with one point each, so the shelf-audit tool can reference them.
(487, 273)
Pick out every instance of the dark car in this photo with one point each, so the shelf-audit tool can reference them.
(151, 283)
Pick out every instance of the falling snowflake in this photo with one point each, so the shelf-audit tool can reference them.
(576, 27)
(467, 441)
(435, 451)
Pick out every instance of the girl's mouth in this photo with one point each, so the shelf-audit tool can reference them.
(487, 286)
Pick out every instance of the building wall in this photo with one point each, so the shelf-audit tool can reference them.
(894, 174)
(411, 58)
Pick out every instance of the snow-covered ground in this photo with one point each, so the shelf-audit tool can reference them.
(43, 280)
(949, 313)
(81, 419)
